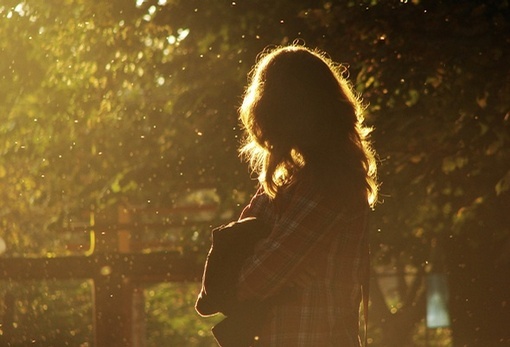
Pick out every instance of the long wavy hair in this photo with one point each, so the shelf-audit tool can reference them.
(303, 121)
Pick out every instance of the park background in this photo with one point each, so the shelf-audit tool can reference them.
(119, 135)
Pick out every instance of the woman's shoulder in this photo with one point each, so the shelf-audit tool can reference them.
(260, 206)
(333, 199)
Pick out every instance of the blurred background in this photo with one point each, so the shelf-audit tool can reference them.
(118, 153)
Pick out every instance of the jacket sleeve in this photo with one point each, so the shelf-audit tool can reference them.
(296, 233)
(261, 207)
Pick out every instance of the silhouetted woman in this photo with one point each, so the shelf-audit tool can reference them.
(305, 140)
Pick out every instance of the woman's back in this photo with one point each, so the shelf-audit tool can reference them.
(311, 268)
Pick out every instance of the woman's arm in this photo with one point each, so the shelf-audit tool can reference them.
(298, 231)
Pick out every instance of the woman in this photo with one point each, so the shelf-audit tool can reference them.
(305, 140)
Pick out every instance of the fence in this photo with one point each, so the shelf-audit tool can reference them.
(118, 269)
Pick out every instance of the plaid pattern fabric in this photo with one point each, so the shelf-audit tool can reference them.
(311, 264)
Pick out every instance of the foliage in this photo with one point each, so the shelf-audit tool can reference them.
(436, 79)
(51, 313)
(108, 104)
(171, 318)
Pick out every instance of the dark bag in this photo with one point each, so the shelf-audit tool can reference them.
(231, 245)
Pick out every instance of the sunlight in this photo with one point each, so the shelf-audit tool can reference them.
(182, 33)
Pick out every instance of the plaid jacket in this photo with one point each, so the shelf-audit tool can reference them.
(311, 261)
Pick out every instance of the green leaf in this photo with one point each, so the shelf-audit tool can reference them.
(503, 184)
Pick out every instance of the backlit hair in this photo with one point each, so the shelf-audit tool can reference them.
(302, 120)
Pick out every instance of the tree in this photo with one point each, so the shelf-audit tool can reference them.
(113, 103)
(106, 104)
(118, 110)
(436, 79)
